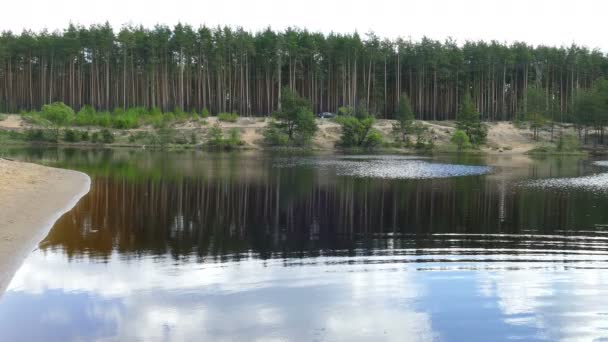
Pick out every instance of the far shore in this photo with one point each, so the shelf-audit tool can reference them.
(503, 137)
(32, 198)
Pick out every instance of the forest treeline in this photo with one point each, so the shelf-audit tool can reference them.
(232, 70)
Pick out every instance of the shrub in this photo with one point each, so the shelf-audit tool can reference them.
(227, 117)
(274, 136)
(215, 138)
(84, 136)
(106, 136)
(374, 139)
(204, 113)
(295, 119)
(165, 136)
(71, 136)
(103, 119)
(34, 135)
(87, 111)
(469, 121)
(234, 139)
(568, 143)
(95, 137)
(461, 139)
(358, 132)
(58, 113)
(155, 111)
(168, 117)
(125, 121)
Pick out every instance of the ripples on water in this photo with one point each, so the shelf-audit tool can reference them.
(596, 183)
(387, 167)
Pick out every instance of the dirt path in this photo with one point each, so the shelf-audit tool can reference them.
(11, 122)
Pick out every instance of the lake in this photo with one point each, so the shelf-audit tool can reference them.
(192, 246)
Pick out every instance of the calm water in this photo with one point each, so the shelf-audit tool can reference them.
(246, 246)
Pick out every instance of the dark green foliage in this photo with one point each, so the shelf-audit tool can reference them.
(295, 121)
(404, 127)
(591, 110)
(70, 135)
(215, 136)
(95, 137)
(106, 136)
(275, 136)
(35, 135)
(469, 121)
(216, 139)
(84, 136)
(536, 111)
(358, 132)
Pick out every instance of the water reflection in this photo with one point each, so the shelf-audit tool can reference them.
(240, 247)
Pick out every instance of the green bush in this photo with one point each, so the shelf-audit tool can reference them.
(106, 136)
(35, 135)
(358, 132)
(128, 120)
(374, 139)
(155, 119)
(70, 135)
(568, 143)
(274, 136)
(95, 137)
(215, 138)
(58, 113)
(461, 139)
(84, 136)
(87, 110)
(204, 113)
(469, 121)
(234, 139)
(227, 117)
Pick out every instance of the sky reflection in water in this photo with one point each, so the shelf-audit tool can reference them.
(251, 256)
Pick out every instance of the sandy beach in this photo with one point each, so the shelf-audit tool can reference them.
(32, 198)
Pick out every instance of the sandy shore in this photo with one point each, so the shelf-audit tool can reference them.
(32, 198)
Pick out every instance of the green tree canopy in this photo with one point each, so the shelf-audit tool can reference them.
(469, 121)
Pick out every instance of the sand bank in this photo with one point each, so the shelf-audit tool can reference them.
(32, 198)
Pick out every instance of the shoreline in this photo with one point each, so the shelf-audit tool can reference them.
(503, 137)
(33, 198)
